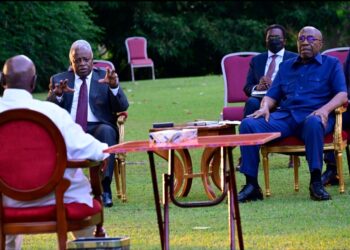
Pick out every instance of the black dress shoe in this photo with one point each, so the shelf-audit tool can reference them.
(250, 193)
(330, 177)
(107, 199)
(318, 193)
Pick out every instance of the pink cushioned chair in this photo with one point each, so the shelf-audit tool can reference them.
(32, 164)
(340, 52)
(235, 67)
(103, 64)
(137, 54)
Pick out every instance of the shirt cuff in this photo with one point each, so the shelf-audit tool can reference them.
(115, 91)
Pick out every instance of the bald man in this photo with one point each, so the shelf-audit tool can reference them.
(105, 99)
(308, 89)
(18, 80)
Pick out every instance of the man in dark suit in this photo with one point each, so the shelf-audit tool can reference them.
(103, 99)
(259, 78)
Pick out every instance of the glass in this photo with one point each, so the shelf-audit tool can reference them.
(80, 60)
(309, 39)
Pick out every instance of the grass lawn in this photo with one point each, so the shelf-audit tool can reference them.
(286, 220)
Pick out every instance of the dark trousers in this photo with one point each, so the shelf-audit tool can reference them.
(107, 134)
(251, 105)
(311, 132)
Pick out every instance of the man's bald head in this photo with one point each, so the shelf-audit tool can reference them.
(19, 73)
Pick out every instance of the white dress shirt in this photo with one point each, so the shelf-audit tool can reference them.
(278, 60)
(80, 145)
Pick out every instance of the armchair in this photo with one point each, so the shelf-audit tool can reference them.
(25, 134)
(291, 145)
(339, 52)
(119, 167)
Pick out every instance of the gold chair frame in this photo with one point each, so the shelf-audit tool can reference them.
(338, 145)
(119, 167)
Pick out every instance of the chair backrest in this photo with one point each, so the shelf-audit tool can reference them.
(341, 53)
(235, 67)
(103, 64)
(136, 47)
(32, 156)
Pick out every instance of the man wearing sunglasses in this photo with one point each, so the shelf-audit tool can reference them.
(308, 89)
(264, 67)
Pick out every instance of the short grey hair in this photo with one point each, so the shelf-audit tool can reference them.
(80, 44)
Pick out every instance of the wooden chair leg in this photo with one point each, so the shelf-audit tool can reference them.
(123, 176)
(339, 163)
(266, 172)
(296, 164)
(117, 176)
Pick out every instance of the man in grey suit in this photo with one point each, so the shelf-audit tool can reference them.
(104, 99)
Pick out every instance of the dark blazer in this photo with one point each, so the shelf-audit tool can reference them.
(257, 69)
(104, 105)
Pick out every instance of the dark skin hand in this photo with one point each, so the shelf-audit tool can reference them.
(264, 83)
(111, 78)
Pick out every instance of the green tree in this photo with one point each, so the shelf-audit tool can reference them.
(190, 37)
(44, 31)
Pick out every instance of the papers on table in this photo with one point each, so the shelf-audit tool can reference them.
(173, 136)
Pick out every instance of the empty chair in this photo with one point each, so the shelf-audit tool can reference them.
(137, 54)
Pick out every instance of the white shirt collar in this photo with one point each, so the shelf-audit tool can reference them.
(18, 94)
(279, 53)
(88, 77)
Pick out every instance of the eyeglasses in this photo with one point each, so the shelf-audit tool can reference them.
(80, 60)
(309, 39)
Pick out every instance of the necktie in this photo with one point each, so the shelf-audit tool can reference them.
(272, 67)
(81, 117)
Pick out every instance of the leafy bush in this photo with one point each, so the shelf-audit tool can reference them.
(44, 31)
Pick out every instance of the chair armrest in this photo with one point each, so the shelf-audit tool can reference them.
(122, 116)
(338, 127)
(83, 163)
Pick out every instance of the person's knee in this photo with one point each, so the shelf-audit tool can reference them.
(313, 123)
(107, 134)
(246, 125)
(251, 105)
